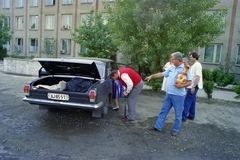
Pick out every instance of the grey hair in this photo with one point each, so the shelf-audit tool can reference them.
(186, 59)
(177, 55)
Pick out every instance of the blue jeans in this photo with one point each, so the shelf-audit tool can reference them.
(190, 104)
(169, 101)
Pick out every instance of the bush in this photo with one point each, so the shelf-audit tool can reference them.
(3, 53)
(207, 75)
(225, 79)
(236, 89)
(216, 74)
(156, 84)
(208, 88)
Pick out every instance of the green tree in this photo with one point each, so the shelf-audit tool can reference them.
(5, 35)
(49, 46)
(147, 31)
(95, 37)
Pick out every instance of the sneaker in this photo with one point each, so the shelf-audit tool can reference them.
(190, 118)
(154, 129)
(127, 120)
(174, 133)
(116, 108)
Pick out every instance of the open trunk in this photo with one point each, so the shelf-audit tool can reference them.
(71, 84)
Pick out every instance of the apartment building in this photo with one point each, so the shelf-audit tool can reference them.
(35, 20)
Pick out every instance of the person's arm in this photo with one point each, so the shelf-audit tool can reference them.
(195, 83)
(157, 75)
(125, 77)
(179, 85)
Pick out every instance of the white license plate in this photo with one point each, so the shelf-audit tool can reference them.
(63, 97)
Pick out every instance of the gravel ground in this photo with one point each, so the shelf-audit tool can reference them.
(28, 133)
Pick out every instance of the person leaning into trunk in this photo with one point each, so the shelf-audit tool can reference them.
(174, 94)
(134, 84)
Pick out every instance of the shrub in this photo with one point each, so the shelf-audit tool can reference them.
(208, 88)
(225, 79)
(207, 75)
(236, 89)
(3, 53)
(216, 74)
(156, 84)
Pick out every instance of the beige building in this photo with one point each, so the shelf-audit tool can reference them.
(33, 21)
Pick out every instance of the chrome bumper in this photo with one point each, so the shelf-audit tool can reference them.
(62, 103)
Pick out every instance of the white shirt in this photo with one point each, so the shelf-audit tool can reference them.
(125, 77)
(196, 70)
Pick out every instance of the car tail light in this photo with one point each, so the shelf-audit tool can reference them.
(26, 89)
(92, 95)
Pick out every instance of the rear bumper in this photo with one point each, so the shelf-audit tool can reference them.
(62, 103)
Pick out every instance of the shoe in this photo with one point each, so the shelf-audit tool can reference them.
(174, 133)
(154, 129)
(184, 120)
(115, 108)
(127, 120)
(190, 118)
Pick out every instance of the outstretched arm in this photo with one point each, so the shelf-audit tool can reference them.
(157, 75)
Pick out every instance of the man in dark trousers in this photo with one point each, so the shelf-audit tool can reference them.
(134, 84)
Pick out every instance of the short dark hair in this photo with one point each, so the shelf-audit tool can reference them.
(194, 55)
(113, 72)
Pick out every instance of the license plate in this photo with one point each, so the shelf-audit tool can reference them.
(55, 96)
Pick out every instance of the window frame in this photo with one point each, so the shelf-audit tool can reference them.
(87, 1)
(35, 50)
(214, 56)
(32, 4)
(7, 45)
(238, 56)
(19, 47)
(19, 3)
(31, 22)
(19, 25)
(69, 2)
(68, 24)
(8, 4)
(52, 21)
(68, 46)
(51, 3)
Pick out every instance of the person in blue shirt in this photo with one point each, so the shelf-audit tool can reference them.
(175, 93)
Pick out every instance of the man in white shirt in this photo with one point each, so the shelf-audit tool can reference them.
(197, 83)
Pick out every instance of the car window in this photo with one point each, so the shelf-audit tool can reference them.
(101, 70)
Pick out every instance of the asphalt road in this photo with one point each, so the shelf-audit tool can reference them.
(27, 133)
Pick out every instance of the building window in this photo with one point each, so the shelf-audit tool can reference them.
(50, 21)
(33, 45)
(19, 44)
(6, 4)
(84, 17)
(212, 53)
(20, 22)
(109, 0)
(238, 56)
(50, 2)
(34, 22)
(7, 46)
(82, 49)
(67, 1)
(66, 21)
(34, 3)
(19, 3)
(66, 46)
(7, 20)
(87, 1)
